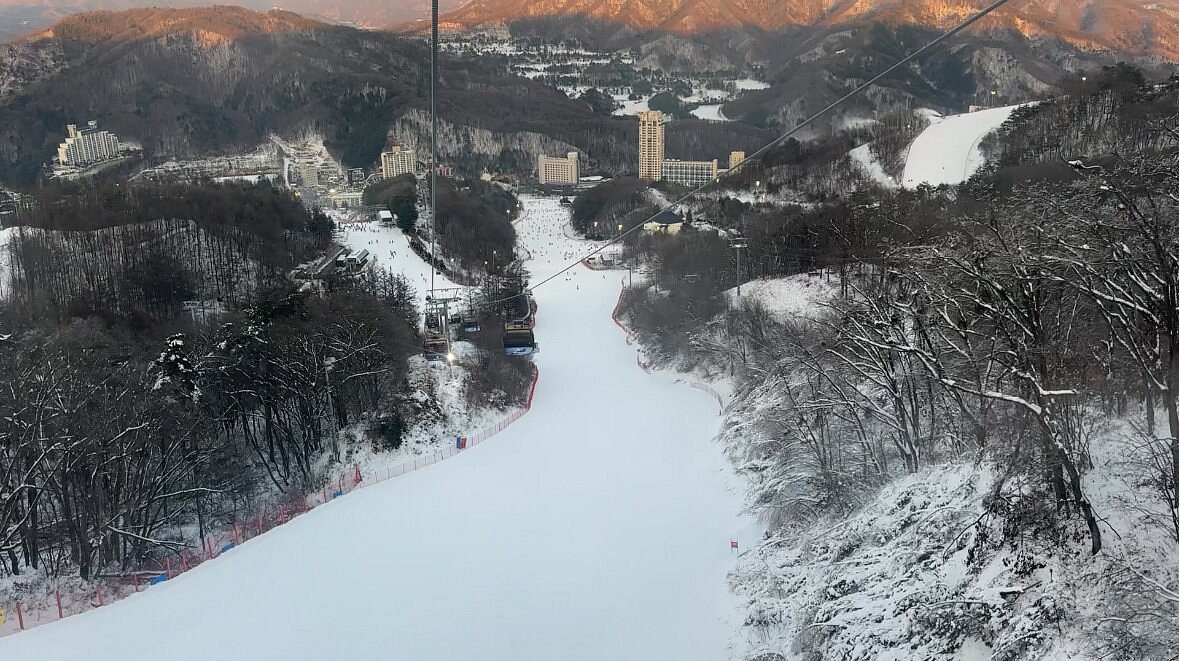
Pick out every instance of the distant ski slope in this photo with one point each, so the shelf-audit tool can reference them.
(595, 528)
(947, 151)
(390, 249)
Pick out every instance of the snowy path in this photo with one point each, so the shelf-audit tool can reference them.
(596, 528)
(947, 151)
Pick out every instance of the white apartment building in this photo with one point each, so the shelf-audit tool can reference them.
(400, 160)
(87, 145)
(689, 173)
(556, 170)
(650, 145)
(736, 158)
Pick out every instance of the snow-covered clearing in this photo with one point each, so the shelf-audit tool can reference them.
(751, 84)
(789, 297)
(862, 156)
(711, 112)
(947, 151)
(596, 527)
(629, 107)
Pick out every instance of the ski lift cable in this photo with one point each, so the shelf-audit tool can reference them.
(983, 13)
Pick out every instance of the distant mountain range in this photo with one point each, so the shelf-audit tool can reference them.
(18, 17)
(186, 82)
(1136, 27)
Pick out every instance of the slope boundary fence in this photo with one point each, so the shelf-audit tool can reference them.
(16, 616)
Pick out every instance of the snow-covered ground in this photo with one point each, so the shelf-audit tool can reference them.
(5, 236)
(947, 152)
(862, 156)
(390, 249)
(751, 84)
(789, 297)
(596, 527)
(629, 107)
(711, 112)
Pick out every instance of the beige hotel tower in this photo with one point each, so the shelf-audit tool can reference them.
(651, 145)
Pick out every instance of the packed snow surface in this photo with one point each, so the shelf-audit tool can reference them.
(390, 249)
(597, 527)
(947, 152)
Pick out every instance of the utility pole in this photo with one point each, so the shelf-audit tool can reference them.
(433, 139)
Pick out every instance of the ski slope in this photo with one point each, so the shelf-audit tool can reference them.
(390, 249)
(595, 528)
(947, 151)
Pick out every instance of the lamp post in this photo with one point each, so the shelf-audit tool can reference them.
(738, 244)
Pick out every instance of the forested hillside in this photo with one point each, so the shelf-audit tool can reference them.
(130, 428)
(958, 411)
(190, 82)
(136, 253)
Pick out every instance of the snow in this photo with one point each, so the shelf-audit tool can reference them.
(947, 152)
(711, 112)
(862, 156)
(390, 250)
(629, 107)
(792, 296)
(5, 236)
(751, 84)
(596, 527)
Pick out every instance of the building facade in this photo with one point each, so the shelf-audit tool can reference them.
(736, 158)
(555, 170)
(345, 199)
(400, 160)
(87, 145)
(689, 173)
(650, 145)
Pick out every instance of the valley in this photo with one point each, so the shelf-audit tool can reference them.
(625, 351)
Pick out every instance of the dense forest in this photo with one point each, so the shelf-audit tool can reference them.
(127, 425)
(475, 223)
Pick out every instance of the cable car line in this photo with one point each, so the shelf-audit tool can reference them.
(983, 13)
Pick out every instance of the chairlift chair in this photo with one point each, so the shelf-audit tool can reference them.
(519, 341)
(436, 348)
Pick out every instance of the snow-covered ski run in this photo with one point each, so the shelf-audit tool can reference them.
(596, 528)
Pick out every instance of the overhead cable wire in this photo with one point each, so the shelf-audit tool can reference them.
(983, 13)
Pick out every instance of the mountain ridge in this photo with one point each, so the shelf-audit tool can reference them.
(224, 22)
(1128, 26)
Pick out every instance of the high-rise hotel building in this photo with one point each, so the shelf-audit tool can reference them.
(552, 170)
(87, 145)
(651, 145)
(399, 161)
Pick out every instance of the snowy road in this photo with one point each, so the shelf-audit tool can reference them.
(595, 528)
(947, 152)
